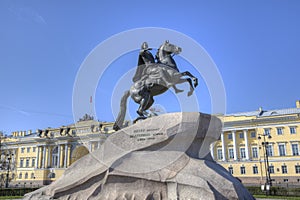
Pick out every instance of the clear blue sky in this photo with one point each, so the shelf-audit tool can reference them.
(255, 45)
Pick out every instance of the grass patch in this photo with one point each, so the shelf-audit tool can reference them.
(275, 197)
(11, 197)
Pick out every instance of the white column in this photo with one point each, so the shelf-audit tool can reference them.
(37, 157)
(66, 156)
(44, 156)
(246, 144)
(234, 145)
(58, 156)
(49, 157)
(223, 146)
(90, 146)
(212, 152)
(14, 155)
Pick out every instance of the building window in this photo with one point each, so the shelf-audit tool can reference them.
(243, 152)
(284, 169)
(219, 154)
(271, 169)
(229, 136)
(28, 149)
(22, 149)
(295, 149)
(279, 131)
(241, 135)
(255, 170)
(21, 162)
(33, 149)
(293, 130)
(55, 157)
(27, 162)
(231, 154)
(270, 150)
(297, 169)
(253, 134)
(26, 175)
(243, 170)
(230, 169)
(281, 148)
(33, 162)
(32, 175)
(285, 180)
(51, 175)
(20, 175)
(254, 152)
(267, 131)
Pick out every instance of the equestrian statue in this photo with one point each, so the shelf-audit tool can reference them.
(154, 78)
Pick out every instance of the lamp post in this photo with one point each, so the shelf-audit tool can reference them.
(265, 145)
(9, 156)
(2, 156)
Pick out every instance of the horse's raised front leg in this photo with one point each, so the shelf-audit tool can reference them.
(176, 89)
(190, 83)
(195, 80)
(191, 86)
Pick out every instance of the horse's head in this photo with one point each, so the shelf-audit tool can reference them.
(164, 54)
(169, 48)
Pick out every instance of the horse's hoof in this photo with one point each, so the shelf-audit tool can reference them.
(195, 82)
(116, 127)
(139, 113)
(190, 93)
(139, 118)
(178, 91)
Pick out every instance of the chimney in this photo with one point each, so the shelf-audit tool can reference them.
(298, 104)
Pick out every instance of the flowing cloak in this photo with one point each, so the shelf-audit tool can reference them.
(145, 58)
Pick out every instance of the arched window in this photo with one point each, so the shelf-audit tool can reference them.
(51, 175)
(20, 175)
(32, 175)
(26, 175)
(55, 157)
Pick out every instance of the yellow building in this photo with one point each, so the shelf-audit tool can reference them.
(33, 159)
(249, 136)
(38, 158)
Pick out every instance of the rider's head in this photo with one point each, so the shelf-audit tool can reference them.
(144, 46)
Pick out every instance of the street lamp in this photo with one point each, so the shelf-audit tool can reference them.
(9, 156)
(265, 145)
(2, 161)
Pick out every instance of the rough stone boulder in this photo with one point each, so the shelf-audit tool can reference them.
(163, 157)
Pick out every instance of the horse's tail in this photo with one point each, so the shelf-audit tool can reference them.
(121, 116)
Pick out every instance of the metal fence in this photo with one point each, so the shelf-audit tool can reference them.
(15, 191)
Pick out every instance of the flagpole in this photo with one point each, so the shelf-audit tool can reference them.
(91, 106)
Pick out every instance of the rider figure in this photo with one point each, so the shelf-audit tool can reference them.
(145, 58)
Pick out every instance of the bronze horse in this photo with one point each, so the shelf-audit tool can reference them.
(155, 79)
